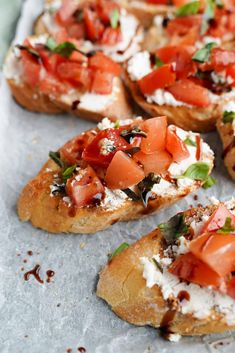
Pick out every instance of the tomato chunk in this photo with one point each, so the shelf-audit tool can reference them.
(94, 27)
(75, 73)
(67, 9)
(216, 250)
(111, 36)
(162, 77)
(102, 83)
(190, 268)
(156, 134)
(181, 25)
(221, 58)
(188, 92)
(103, 63)
(123, 172)
(218, 218)
(157, 162)
(31, 69)
(175, 145)
(85, 191)
(104, 146)
(231, 287)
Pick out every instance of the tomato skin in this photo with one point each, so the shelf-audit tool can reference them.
(102, 83)
(191, 269)
(157, 2)
(216, 250)
(104, 10)
(82, 192)
(156, 134)
(111, 36)
(181, 25)
(230, 72)
(75, 73)
(221, 58)
(101, 62)
(157, 162)
(94, 27)
(66, 10)
(217, 219)
(175, 146)
(91, 153)
(77, 31)
(123, 172)
(161, 77)
(188, 92)
(31, 69)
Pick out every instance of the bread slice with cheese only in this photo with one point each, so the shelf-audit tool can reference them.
(226, 129)
(53, 78)
(98, 25)
(167, 82)
(171, 280)
(116, 172)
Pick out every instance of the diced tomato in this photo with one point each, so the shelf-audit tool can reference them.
(179, 3)
(218, 218)
(31, 69)
(75, 73)
(50, 62)
(188, 39)
(181, 25)
(123, 172)
(231, 287)
(181, 56)
(105, 9)
(230, 72)
(94, 27)
(78, 57)
(157, 162)
(102, 83)
(77, 30)
(216, 250)
(101, 62)
(161, 77)
(85, 191)
(111, 36)
(191, 269)
(156, 134)
(71, 152)
(221, 58)
(50, 85)
(67, 9)
(188, 92)
(95, 152)
(175, 145)
(157, 2)
(231, 21)
(61, 36)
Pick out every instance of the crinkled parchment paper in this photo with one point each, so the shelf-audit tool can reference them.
(53, 317)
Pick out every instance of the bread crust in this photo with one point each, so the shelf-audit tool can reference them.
(193, 119)
(122, 286)
(227, 135)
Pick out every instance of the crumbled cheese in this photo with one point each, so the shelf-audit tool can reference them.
(181, 247)
(67, 200)
(197, 226)
(53, 5)
(163, 188)
(174, 337)
(41, 39)
(229, 107)
(106, 146)
(158, 20)
(113, 199)
(163, 97)
(214, 200)
(139, 65)
(105, 124)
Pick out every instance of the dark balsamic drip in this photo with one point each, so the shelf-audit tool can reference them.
(81, 349)
(165, 22)
(34, 272)
(183, 295)
(25, 261)
(195, 197)
(30, 253)
(50, 274)
(167, 319)
(228, 148)
(75, 104)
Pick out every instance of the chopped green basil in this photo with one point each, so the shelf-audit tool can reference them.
(64, 49)
(158, 62)
(55, 156)
(117, 124)
(197, 171)
(118, 251)
(156, 263)
(228, 117)
(131, 194)
(174, 228)
(208, 15)
(190, 142)
(51, 44)
(210, 181)
(189, 9)
(68, 172)
(203, 55)
(114, 18)
(145, 187)
(227, 227)
(134, 131)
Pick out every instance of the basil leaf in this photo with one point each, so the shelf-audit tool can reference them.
(64, 49)
(31, 51)
(228, 117)
(114, 18)
(119, 250)
(132, 150)
(134, 131)
(189, 9)
(50, 44)
(208, 15)
(156, 263)
(158, 62)
(131, 194)
(174, 228)
(190, 142)
(68, 172)
(145, 187)
(210, 181)
(197, 171)
(203, 55)
(117, 124)
(227, 227)
(55, 156)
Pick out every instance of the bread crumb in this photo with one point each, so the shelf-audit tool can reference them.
(82, 245)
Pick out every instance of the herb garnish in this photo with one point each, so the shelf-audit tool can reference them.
(228, 117)
(131, 194)
(158, 62)
(189, 9)
(209, 14)
(210, 181)
(114, 18)
(133, 132)
(190, 142)
(31, 51)
(64, 49)
(203, 55)
(67, 171)
(132, 151)
(197, 171)
(174, 228)
(227, 227)
(145, 187)
(156, 263)
(118, 251)
(55, 156)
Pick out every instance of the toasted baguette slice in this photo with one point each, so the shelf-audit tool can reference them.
(57, 213)
(123, 286)
(227, 134)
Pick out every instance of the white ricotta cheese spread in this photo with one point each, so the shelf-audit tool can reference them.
(139, 65)
(113, 199)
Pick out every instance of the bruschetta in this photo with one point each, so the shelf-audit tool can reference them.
(50, 77)
(116, 172)
(180, 277)
(186, 84)
(226, 129)
(98, 24)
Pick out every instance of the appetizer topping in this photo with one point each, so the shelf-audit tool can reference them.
(229, 113)
(130, 159)
(119, 250)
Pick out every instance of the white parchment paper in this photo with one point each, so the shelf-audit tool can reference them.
(53, 317)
